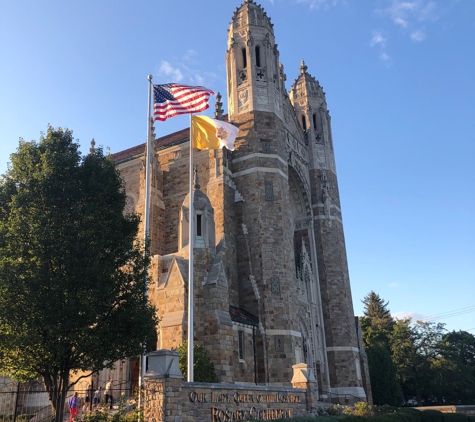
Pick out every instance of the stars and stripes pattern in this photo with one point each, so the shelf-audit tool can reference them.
(174, 99)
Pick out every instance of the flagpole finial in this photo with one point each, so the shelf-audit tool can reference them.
(150, 77)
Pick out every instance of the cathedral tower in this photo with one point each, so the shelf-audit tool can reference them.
(260, 173)
(252, 63)
(271, 277)
(310, 105)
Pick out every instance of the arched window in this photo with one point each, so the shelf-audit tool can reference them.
(304, 123)
(244, 58)
(314, 121)
(258, 56)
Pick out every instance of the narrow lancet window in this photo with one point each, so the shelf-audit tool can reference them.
(198, 225)
(304, 124)
(241, 345)
(314, 121)
(258, 56)
(244, 58)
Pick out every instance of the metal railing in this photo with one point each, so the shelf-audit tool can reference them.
(334, 398)
(29, 402)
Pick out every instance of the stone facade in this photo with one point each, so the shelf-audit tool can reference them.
(271, 278)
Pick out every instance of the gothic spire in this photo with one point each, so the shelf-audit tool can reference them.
(196, 182)
(92, 150)
(218, 114)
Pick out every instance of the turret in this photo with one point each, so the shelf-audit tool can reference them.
(308, 99)
(310, 106)
(252, 60)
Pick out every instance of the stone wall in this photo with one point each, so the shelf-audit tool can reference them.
(167, 398)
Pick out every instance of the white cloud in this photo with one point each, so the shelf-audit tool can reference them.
(318, 4)
(409, 314)
(418, 36)
(378, 39)
(428, 12)
(388, 61)
(314, 4)
(189, 56)
(400, 21)
(168, 70)
(183, 73)
(187, 69)
(407, 13)
(199, 80)
(394, 284)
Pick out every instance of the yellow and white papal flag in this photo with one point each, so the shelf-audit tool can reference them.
(208, 133)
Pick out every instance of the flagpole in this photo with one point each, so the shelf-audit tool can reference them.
(148, 159)
(191, 221)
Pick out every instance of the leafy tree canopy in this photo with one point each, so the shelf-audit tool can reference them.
(430, 364)
(416, 353)
(72, 278)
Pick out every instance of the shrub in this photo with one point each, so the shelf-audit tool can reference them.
(432, 416)
(134, 416)
(390, 417)
(455, 417)
(353, 418)
(384, 409)
(364, 409)
(203, 368)
(409, 414)
(336, 410)
(24, 418)
(101, 415)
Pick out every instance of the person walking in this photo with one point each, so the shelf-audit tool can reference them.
(87, 400)
(73, 403)
(97, 397)
(108, 392)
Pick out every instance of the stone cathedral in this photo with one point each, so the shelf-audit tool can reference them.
(271, 277)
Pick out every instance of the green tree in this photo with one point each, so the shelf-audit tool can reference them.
(416, 354)
(456, 377)
(384, 385)
(72, 278)
(376, 322)
(377, 325)
(203, 368)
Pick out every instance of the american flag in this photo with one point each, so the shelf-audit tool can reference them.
(174, 99)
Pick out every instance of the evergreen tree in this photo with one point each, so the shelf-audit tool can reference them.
(376, 322)
(384, 385)
(376, 325)
(72, 278)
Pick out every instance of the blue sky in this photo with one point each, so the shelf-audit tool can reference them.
(399, 78)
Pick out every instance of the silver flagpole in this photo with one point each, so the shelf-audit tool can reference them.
(191, 221)
(148, 159)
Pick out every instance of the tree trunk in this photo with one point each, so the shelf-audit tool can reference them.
(419, 397)
(57, 387)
